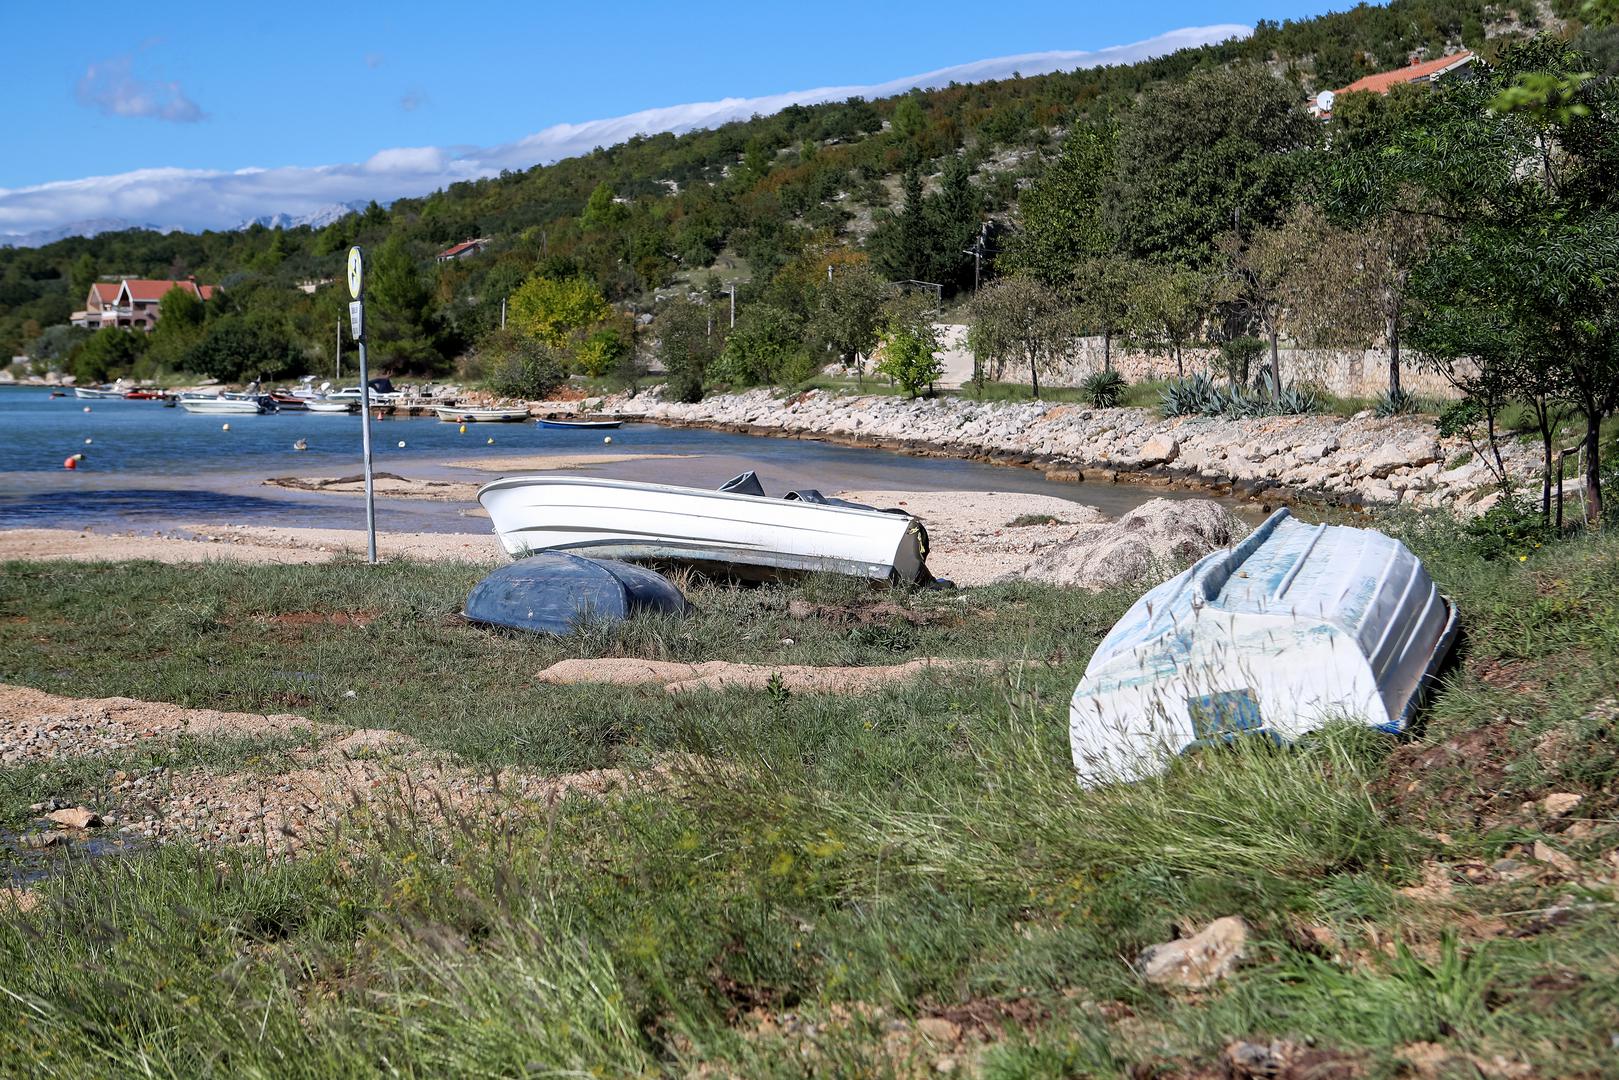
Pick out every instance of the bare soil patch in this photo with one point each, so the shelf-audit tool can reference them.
(724, 675)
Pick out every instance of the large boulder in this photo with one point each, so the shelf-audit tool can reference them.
(1145, 546)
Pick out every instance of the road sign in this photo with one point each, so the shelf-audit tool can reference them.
(356, 273)
(357, 320)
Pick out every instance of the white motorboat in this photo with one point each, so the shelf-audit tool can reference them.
(332, 405)
(1297, 626)
(461, 414)
(736, 529)
(222, 403)
(98, 393)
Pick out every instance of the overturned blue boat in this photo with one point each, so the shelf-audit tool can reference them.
(1297, 626)
(553, 592)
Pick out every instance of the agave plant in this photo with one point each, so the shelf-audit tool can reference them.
(1104, 389)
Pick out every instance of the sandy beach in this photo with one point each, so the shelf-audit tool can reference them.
(973, 540)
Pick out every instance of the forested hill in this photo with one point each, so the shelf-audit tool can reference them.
(908, 182)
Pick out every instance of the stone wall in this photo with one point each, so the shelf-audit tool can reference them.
(1349, 373)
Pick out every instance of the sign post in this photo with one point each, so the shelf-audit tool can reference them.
(357, 326)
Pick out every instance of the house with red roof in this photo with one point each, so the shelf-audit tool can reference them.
(1422, 71)
(131, 303)
(462, 250)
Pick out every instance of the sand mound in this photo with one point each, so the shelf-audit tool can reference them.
(386, 485)
(36, 726)
(724, 675)
(1144, 547)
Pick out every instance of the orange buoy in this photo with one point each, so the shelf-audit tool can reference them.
(72, 461)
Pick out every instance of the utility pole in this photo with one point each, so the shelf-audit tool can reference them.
(978, 258)
(503, 314)
(732, 290)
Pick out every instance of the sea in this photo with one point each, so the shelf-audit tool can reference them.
(147, 467)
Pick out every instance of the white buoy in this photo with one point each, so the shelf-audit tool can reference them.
(608, 439)
(87, 408)
(224, 427)
(491, 441)
(87, 442)
(401, 444)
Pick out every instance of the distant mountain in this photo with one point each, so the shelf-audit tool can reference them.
(318, 218)
(86, 227)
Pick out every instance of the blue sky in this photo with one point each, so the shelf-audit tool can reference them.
(232, 86)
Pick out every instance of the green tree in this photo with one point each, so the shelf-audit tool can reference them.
(106, 354)
(1021, 319)
(909, 351)
(558, 311)
(848, 311)
(902, 243)
(242, 348)
(521, 366)
(1063, 225)
(401, 334)
(1169, 306)
(180, 315)
(1200, 156)
(686, 345)
(765, 346)
(83, 276)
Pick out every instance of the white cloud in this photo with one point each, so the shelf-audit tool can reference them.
(112, 87)
(206, 198)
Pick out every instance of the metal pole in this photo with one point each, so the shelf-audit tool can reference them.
(337, 357)
(733, 307)
(503, 314)
(365, 451)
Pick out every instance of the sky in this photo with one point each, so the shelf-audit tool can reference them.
(200, 117)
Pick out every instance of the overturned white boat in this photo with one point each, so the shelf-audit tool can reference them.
(1297, 626)
(737, 530)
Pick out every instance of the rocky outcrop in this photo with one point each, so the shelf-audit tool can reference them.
(1361, 459)
(1149, 544)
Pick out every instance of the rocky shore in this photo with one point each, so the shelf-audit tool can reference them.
(1360, 460)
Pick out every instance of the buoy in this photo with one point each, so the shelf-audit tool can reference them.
(72, 462)
(87, 442)
(379, 414)
(225, 427)
(491, 442)
(463, 429)
(300, 445)
(607, 439)
(401, 444)
(87, 408)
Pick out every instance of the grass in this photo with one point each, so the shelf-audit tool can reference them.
(865, 863)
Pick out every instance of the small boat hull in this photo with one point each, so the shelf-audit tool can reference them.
(456, 414)
(584, 425)
(97, 393)
(215, 406)
(334, 408)
(742, 535)
(555, 593)
(1294, 628)
(290, 403)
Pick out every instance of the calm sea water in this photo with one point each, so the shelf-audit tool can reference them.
(147, 466)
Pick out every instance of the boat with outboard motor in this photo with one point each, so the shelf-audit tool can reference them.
(225, 403)
(581, 425)
(737, 530)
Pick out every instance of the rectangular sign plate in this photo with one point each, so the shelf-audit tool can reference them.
(356, 319)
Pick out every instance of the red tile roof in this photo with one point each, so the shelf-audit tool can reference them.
(151, 290)
(1384, 81)
(451, 252)
(105, 292)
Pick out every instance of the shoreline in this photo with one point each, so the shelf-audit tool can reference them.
(1307, 460)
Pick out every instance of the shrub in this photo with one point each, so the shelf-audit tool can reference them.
(523, 367)
(1510, 528)
(1199, 395)
(1104, 389)
(1395, 403)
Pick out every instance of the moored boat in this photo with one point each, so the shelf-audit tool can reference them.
(144, 393)
(288, 402)
(736, 530)
(332, 405)
(1297, 626)
(463, 414)
(98, 393)
(587, 425)
(222, 403)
